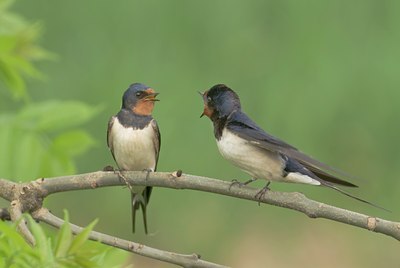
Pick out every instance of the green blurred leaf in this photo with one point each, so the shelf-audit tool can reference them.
(13, 248)
(18, 50)
(73, 143)
(56, 115)
(15, 252)
(64, 238)
(113, 258)
(37, 141)
(28, 154)
(82, 237)
(4, 4)
(11, 78)
(42, 242)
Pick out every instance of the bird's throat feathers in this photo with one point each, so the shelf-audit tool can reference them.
(219, 124)
(128, 118)
(143, 107)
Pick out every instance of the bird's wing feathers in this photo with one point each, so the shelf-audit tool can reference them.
(157, 140)
(157, 146)
(244, 127)
(109, 136)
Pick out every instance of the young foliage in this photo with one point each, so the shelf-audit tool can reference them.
(42, 139)
(18, 50)
(65, 250)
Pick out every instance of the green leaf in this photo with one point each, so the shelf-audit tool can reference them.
(55, 115)
(4, 4)
(13, 81)
(18, 50)
(6, 134)
(28, 154)
(54, 163)
(82, 237)
(113, 258)
(64, 238)
(73, 143)
(8, 231)
(42, 243)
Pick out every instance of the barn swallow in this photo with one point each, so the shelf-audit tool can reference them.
(261, 155)
(134, 140)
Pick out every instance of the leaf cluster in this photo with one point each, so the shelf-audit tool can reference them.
(65, 250)
(18, 50)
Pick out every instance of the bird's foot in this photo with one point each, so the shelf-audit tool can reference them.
(260, 195)
(123, 179)
(148, 170)
(240, 184)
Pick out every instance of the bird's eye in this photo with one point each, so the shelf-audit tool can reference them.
(138, 93)
(209, 99)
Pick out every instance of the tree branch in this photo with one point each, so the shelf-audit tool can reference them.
(22, 227)
(293, 200)
(42, 188)
(179, 259)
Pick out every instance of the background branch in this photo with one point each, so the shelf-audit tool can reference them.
(42, 188)
(192, 260)
(22, 227)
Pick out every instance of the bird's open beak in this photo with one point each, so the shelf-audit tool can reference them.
(202, 96)
(152, 97)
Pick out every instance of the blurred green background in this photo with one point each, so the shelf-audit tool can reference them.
(322, 75)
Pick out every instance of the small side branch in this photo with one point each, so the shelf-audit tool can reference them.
(22, 227)
(192, 260)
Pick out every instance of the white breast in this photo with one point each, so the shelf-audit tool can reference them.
(257, 162)
(133, 149)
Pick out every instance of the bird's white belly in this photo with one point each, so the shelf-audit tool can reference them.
(257, 162)
(133, 149)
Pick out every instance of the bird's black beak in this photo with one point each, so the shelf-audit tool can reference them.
(152, 97)
(202, 96)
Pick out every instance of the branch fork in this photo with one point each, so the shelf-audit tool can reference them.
(28, 197)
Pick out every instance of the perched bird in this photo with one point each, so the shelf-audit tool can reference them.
(134, 140)
(263, 156)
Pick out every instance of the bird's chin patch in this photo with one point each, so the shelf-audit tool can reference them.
(207, 112)
(144, 107)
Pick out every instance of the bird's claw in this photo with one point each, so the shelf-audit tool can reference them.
(240, 184)
(260, 195)
(148, 170)
(123, 179)
(235, 182)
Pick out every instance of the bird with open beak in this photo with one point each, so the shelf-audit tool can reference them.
(263, 156)
(134, 140)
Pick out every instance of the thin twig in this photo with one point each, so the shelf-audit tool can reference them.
(192, 260)
(22, 227)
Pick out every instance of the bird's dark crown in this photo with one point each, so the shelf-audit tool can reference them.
(132, 95)
(222, 101)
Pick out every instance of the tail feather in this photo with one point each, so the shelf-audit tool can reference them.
(143, 206)
(330, 185)
(330, 178)
(138, 201)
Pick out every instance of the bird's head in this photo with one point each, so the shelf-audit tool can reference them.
(139, 99)
(219, 101)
